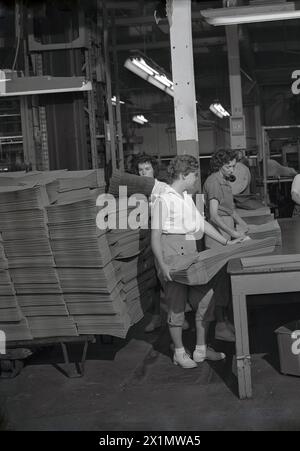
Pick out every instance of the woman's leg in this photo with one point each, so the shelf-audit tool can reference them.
(176, 297)
(203, 301)
(176, 336)
(224, 330)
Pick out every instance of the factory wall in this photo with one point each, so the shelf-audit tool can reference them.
(160, 139)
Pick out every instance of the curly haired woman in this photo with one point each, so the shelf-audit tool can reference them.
(221, 214)
(175, 221)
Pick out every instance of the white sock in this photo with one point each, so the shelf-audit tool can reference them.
(201, 349)
(179, 351)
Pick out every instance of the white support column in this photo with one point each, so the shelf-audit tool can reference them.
(237, 119)
(179, 14)
(258, 132)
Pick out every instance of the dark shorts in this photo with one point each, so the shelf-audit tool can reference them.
(202, 299)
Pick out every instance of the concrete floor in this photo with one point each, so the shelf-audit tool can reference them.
(132, 385)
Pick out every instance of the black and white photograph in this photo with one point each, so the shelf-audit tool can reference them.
(149, 218)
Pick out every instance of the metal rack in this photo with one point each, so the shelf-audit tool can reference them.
(11, 137)
(266, 153)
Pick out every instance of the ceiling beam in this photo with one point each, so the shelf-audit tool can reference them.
(142, 20)
(276, 46)
(205, 42)
(122, 5)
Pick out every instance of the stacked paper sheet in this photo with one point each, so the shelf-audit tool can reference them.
(257, 212)
(269, 229)
(133, 183)
(125, 244)
(65, 272)
(12, 321)
(90, 284)
(200, 268)
(58, 183)
(138, 277)
(16, 331)
(29, 254)
(16, 198)
(259, 219)
(52, 326)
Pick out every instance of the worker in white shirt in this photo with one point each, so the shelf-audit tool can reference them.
(295, 192)
(175, 221)
(147, 166)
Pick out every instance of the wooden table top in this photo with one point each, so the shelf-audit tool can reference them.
(290, 230)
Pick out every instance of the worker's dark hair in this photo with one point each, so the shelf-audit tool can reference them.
(144, 158)
(183, 164)
(221, 157)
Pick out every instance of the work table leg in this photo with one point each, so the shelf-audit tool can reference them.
(242, 342)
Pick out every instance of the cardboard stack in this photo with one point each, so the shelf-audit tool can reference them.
(90, 284)
(133, 183)
(23, 224)
(139, 279)
(200, 268)
(12, 321)
(259, 219)
(265, 230)
(61, 275)
(131, 246)
(255, 212)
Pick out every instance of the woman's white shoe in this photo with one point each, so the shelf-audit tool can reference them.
(184, 360)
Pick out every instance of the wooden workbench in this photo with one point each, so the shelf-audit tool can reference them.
(280, 278)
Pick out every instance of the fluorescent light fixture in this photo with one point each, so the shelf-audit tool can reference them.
(140, 119)
(138, 66)
(249, 14)
(114, 101)
(218, 110)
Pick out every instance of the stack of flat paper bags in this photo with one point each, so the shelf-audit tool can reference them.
(90, 284)
(32, 270)
(12, 321)
(265, 230)
(200, 268)
(133, 183)
(132, 254)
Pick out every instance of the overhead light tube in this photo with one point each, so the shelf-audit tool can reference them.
(249, 14)
(140, 119)
(218, 110)
(138, 66)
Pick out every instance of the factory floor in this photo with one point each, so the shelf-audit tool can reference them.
(132, 385)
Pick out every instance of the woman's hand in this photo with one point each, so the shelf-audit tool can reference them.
(243, 223)
(165, 270)
(239, 240)
(236, 234)
(244, 227)
(252, 228)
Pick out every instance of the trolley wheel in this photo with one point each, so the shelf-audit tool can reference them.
(10, 368)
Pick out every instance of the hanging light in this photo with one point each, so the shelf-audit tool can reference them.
(218, 110)
(114, 101)
(140, 67)
(249, 14)
(140, 119)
